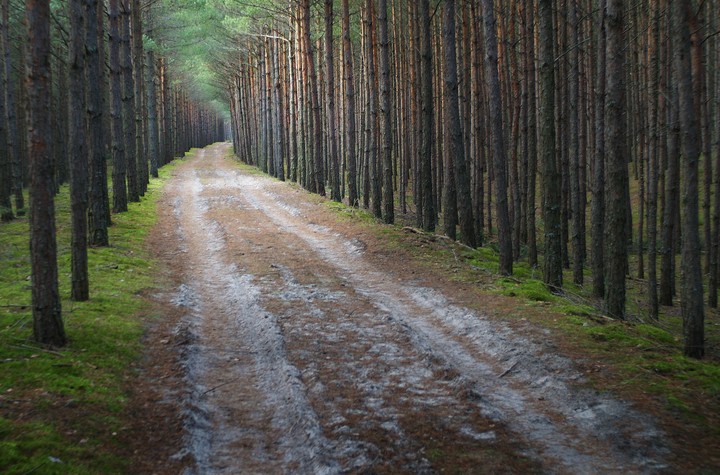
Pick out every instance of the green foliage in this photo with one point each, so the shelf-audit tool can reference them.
(70, 401)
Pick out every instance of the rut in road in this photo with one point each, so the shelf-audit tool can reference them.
(302, 354)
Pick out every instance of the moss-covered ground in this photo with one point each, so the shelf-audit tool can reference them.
(62, 410)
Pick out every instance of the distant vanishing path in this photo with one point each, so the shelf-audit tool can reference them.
(303, 353)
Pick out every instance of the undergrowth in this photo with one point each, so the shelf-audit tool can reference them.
(61, 410)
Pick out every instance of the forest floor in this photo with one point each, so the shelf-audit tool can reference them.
(293, 341)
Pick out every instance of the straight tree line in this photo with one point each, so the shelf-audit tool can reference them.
(512, 123)
(81, 93)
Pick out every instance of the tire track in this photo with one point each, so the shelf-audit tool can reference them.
(302, 356)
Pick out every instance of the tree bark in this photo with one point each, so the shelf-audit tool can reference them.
(80, 288)
(553, 275)
(153, 136)
(14, 141)
(454, 129)
(386, 139)
(6, 212)
(616, 160)
(597, 206)
(48, 326)
(578, 251)
(98, 216)
(427, 204)
(692, 308)
(653, 94)
(119, 174)
(498, 142)
(138, 55)
(319, 166)
(128, 102)
(350, 106)
(334, 161)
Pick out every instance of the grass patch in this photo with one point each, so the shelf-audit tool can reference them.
(349, 212)
(61, 411)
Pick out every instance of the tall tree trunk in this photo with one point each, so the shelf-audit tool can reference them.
(13, 137)
(98, 217)
(672, 205)
(128, 102)
(597, 206)
(386, 138)
(152, 114)
(427, 205)
(80, 289)
(349, 106)
(449, 192)
(319, 166)
(59, 115)
(6, 184)
(653, 94)
(48, 326)
(692, 289)
(715, 264)
(278, 115)
(138, 55)
(119, 174)
(334, 161)
(578, 251)
(498, 143)
(531, 139)
(553, 275)
(455, 129)
(372, 168)
(616, 160)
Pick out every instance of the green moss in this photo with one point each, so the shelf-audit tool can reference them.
(530, 289)
(349, 212)
(655, 333)
(104, 340)
(577, 310)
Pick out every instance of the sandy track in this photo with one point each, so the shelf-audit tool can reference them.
(303, 355)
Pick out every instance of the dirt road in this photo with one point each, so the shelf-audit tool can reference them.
(303, 352)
